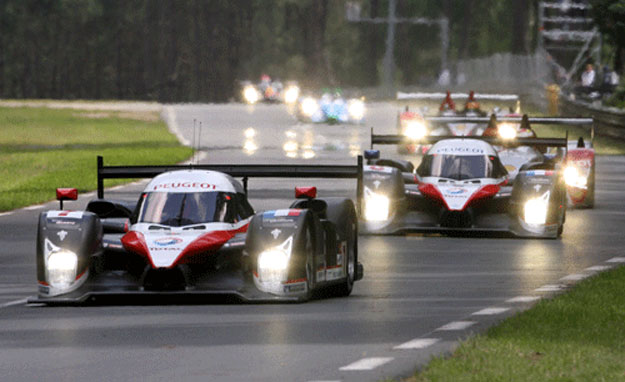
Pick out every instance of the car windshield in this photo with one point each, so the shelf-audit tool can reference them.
(186, 208)
(460, 167)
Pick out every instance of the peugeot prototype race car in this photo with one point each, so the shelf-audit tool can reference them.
(412, 124)
(462, 186)
(268, 90)
(193, 232)
(331, 107)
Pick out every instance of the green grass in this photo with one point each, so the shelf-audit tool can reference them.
(42, 149)
(577, 336)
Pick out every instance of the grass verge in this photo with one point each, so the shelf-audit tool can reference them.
(577, 336)
(42, 149)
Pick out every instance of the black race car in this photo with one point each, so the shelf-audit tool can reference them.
(192, 232)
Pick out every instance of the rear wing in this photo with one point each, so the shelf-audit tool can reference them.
(395, 139)
(239, 171)
(401, 96)
(588, 122)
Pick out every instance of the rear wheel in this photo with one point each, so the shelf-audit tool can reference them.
(342, 213)
(345, 288)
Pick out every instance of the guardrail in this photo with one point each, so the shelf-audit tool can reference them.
(607, 122)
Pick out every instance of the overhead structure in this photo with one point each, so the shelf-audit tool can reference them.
(567, 35)
(352, 13)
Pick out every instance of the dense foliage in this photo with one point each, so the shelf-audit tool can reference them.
(197, 50)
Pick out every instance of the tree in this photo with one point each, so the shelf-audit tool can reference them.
(609, 15)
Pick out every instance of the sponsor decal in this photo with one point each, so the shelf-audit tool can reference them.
(469, 150)
(62, 234)
(65, 214)
(299, 287)
(282, 213)
(43, 289)
(167, 241)
(539, 173)
(510, 168)
(378, 168)
(456, 191)
(276, 232)
(203, 186)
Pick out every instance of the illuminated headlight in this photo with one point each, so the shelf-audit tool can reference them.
(62, 265)
(309, 106)
(356, 109)
(273, 262)
(376, 207)
(415, 130)
(573, 178)
(536, 210)
(506, 131)
(250, 94)
(291, 94)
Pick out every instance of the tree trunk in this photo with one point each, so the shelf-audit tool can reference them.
(520, 24)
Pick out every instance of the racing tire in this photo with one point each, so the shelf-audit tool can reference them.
(342, 213)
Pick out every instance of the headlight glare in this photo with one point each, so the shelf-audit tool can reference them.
(415, 130)
(250, 94)
(536, 211)
(62, 265)
(356, 109)
(573, 178)
(309, 106)
(376, 207)
(291, 94)
(506, 131)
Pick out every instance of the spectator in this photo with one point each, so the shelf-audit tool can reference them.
(588, 77)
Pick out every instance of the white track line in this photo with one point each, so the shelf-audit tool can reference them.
(457, 325)
(522, 299)
(367, 363)
(574, 277)
(13, 303)
(598, 268)
(549, 288)
(6, 213)
(616, 260)
(417, 343)
(489, 311)
(35, 207)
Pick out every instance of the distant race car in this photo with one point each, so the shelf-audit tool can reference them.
(331, 107)
(461, 186)
(412, 124)
(268, 90)
(579, 173)
(193, 233)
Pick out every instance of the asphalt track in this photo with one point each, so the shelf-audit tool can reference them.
(420, 294)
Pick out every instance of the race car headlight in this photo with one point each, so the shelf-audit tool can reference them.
(62, 265)
(273, 262)
(309, 106)
(376, 207)
(291, 94)
(573, 178)
(506, 131)
(415, 130)
(536, 210)
(250, 94)
(356, 109)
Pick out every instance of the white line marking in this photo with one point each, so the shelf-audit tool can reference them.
(598, 268)
(457, 325)
(334, 380)
(367, 363)
(522, 299)
(616, 260)
(489, 311)
(417, 343)
(549, 288)
(574, 277)
(6, 213)
(172, 123)
(35, 207)
(12, 303)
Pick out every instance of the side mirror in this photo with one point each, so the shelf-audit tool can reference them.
(372, 154)
(66, 194)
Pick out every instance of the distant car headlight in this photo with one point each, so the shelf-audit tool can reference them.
(62, 265)
(291, 94)
(415, 130)
(250, 94)
(309, 106)
(506, 131)
(273, 262)
(536, 209)
(376, 207)
(356, 109)
(573, 178)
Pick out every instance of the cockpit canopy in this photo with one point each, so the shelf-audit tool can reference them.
(178, 209)
(461, 167)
